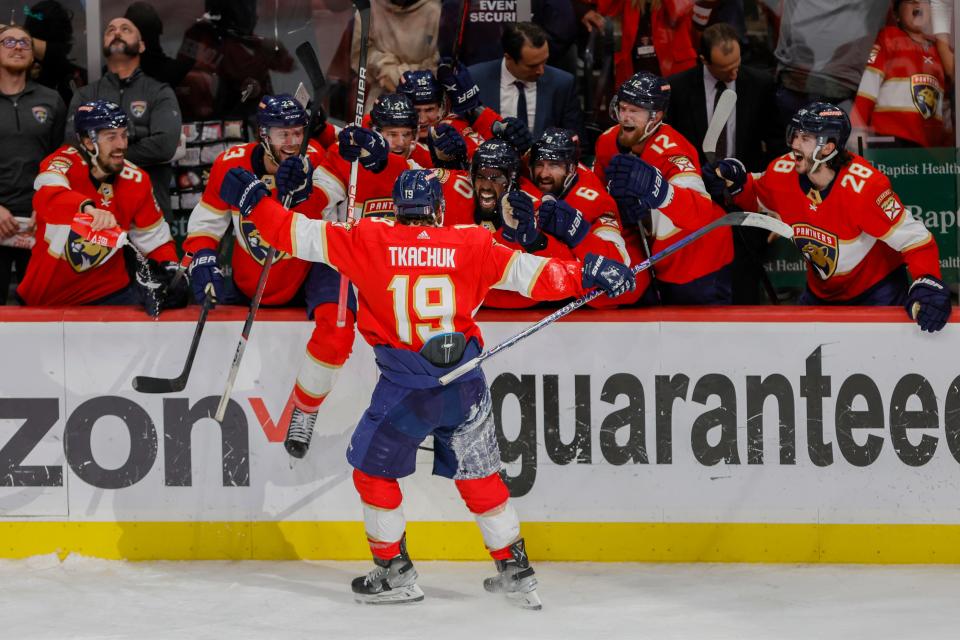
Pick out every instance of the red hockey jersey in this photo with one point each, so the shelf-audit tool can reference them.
(687, 209)
(902, 90)
(854, 237)
(374, 190)
(416, 282)
(64, 268)
(211, 218)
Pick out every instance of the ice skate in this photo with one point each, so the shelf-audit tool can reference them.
(299, 432)
(515, 579)
(392, 581)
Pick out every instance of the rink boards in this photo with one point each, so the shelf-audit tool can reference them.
(751, 435)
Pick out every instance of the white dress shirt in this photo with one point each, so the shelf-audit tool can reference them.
(710, 88)
(508, 95)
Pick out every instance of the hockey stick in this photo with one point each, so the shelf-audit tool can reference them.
(363, 9)
(147, 384)
(718, 122)
(730, 220)
(268, 262)
(461, 30)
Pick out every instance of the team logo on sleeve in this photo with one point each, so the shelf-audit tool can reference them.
(138, 108)
(890, 204)
(83, 255)
(40, 114)
(818, 247)
(874, 52)
(60, 165)
(255, 246)
(684, 164)
(926, 92)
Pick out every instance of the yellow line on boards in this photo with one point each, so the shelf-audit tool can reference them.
(553, 541)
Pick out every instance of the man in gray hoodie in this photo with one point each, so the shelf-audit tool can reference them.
(150, 105)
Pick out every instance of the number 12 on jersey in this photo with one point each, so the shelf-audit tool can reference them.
(433, 304)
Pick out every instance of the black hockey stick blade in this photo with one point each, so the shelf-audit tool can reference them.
(311, 66)
(361, 5)
(148, 384)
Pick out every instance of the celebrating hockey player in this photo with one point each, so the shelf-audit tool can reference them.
(858, 239)
(275, 157)
(654, 175)
(88, 191)
(426, 94)
(419, 285)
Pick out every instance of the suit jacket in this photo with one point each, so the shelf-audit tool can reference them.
(760, 134)
(557, 103)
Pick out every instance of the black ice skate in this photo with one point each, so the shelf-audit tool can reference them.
(393, 581)
(515, 579)
(299, 432)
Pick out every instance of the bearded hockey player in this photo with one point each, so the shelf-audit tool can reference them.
(419, 285)
(275, 158)
(654, 175)
(857, 237)
(91, 183)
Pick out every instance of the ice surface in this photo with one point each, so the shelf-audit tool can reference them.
(88, 598)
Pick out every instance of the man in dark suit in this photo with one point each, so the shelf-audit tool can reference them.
(753, 134)
(522, 85)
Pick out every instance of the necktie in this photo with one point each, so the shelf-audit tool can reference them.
(722, 140)
(522, 102)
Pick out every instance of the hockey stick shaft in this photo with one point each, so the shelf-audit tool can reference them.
(363, 9)
(461, 30)
(264, 274)
(729, 220)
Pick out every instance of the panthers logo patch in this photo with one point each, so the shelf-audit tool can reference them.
(256, 246)
(819, 248)
(926, 92)
(83, 255)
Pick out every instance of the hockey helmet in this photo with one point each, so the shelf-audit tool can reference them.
(281, 110)
(421, 86)
(418, 197)
(394, 110)
(827, 122)
(91, 117)
(496, 154)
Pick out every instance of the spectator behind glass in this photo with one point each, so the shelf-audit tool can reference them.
(403, 36)
(520, 84)
(901, 94)
(31, 126)
(154, 61)
(151, 106)
(51, 26)
(229, 65)
(657, 36)
(822, 50)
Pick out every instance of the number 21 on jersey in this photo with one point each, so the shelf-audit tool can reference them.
(433, 303)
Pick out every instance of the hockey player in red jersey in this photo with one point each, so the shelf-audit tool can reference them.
(275, 157)
(419, 286)
(383, 151)
(93, 178)
(857, 237)
(576, 208)
(654, 175)
(901, 92)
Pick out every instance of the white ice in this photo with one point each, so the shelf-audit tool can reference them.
(87, 598)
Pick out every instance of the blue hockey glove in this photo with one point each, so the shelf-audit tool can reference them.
(515, 132)
(615, 278)
(365, 146)
(205, 274)
(632, 179)
(294, 178)
(928, 302)
(560, 220)
(519, 206)
(243, 190)
(447, 147)
(458, 84)
(727, 175)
